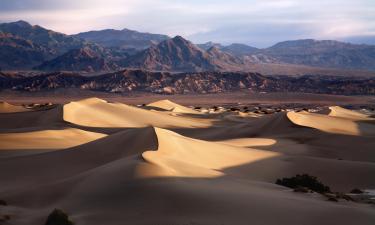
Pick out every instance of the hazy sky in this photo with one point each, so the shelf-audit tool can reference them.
(256, 22)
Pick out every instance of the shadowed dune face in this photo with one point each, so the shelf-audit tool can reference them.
(8, 108)
(167, 167)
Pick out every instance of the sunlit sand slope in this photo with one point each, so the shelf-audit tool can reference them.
(340, 123)
(99, 113)
(338, 111)
(47, 139)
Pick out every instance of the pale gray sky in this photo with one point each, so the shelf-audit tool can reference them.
(259, 23)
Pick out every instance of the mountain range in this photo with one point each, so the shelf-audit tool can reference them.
(25, 47)
(143, 81)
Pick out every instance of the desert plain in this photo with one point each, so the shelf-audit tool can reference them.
(163, 163)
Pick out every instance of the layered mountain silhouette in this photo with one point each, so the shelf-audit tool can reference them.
(127, 39)
(16, 52)
(176, 54)
(240, 49)
(324, 53)
(57, 43)
(23, 46)
(88, 59)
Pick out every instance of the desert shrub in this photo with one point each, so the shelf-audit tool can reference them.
(304, 180)
(58, 217)
(332, 199)
(356, 191)
(4, 218)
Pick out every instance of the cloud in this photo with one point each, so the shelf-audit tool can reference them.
(256, 22)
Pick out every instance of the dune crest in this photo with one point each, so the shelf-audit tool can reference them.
(338, 111)
(171, 106)
(331, 124)
(183, 157)
(95, 112)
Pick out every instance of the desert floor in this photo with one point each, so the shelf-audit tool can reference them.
(162, 163)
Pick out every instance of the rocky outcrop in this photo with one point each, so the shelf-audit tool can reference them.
(133, 81)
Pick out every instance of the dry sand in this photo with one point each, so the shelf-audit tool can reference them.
(169, 164)
(8, 108)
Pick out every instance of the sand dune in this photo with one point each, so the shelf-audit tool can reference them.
(171, 106)
(99, 113)
(43, 118)
(8, 108)
(333, 124)
(47, 139)
(183, 157)
(338, 111)
(156, 168)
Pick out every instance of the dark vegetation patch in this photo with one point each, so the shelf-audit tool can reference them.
(305, 181)
(58, 217)
(356, 191)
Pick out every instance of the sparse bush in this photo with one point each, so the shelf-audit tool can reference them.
(356, 191)
(332, 199)
(58, 217)
(306, 181)
(4, 218)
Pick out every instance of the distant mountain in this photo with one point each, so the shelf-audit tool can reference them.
(23, 46)
(176, 54)
(240, 49)
(88, 59)
(244, 54)
(56, 43)
(127, 39)
(209, 45)
(130, 81)
(224, 61)
(367, 39)
(16, 52)
(326, 53)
